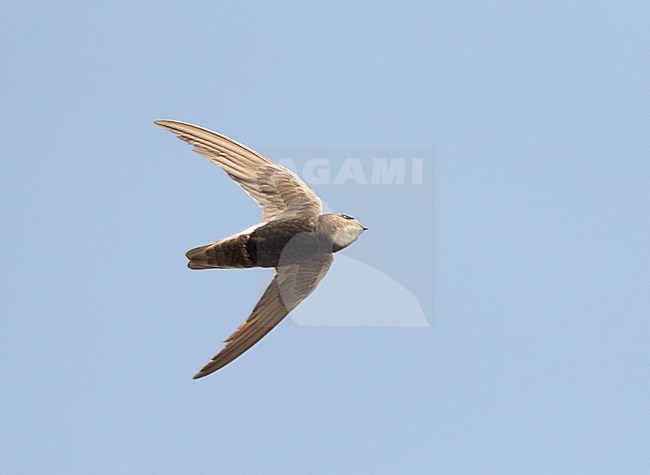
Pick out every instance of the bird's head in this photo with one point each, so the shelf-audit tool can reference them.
(344, 229)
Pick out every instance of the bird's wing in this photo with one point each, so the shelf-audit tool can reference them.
(277, 190)
(290, 286)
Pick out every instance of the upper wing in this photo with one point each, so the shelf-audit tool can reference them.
(278, 191)
(290, 286)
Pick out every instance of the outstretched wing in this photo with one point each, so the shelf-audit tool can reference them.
(290, 286)
(277, 190)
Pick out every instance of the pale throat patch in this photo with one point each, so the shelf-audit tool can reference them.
(345, 236)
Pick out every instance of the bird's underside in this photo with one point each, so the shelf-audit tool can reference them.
(301, 259)
(292, 238)
(264, 246)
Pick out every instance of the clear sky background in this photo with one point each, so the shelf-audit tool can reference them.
(533, 222)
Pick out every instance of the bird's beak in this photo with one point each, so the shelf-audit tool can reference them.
(364, 228)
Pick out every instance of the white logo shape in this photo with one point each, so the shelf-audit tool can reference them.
(356, 294)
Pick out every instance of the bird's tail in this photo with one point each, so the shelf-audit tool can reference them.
(229, 253)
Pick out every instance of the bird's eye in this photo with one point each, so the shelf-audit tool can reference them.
(345, 216)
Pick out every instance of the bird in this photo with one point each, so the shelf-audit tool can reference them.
(294, 236)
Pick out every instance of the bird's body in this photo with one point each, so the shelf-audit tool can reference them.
(295, 237)
(266, 245)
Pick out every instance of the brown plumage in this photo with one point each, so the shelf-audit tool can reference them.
(294, 238)
(230, 253)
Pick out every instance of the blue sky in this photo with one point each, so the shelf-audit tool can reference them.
(525, 246)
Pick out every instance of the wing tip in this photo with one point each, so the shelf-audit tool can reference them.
(164, 123)
(207, 370)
